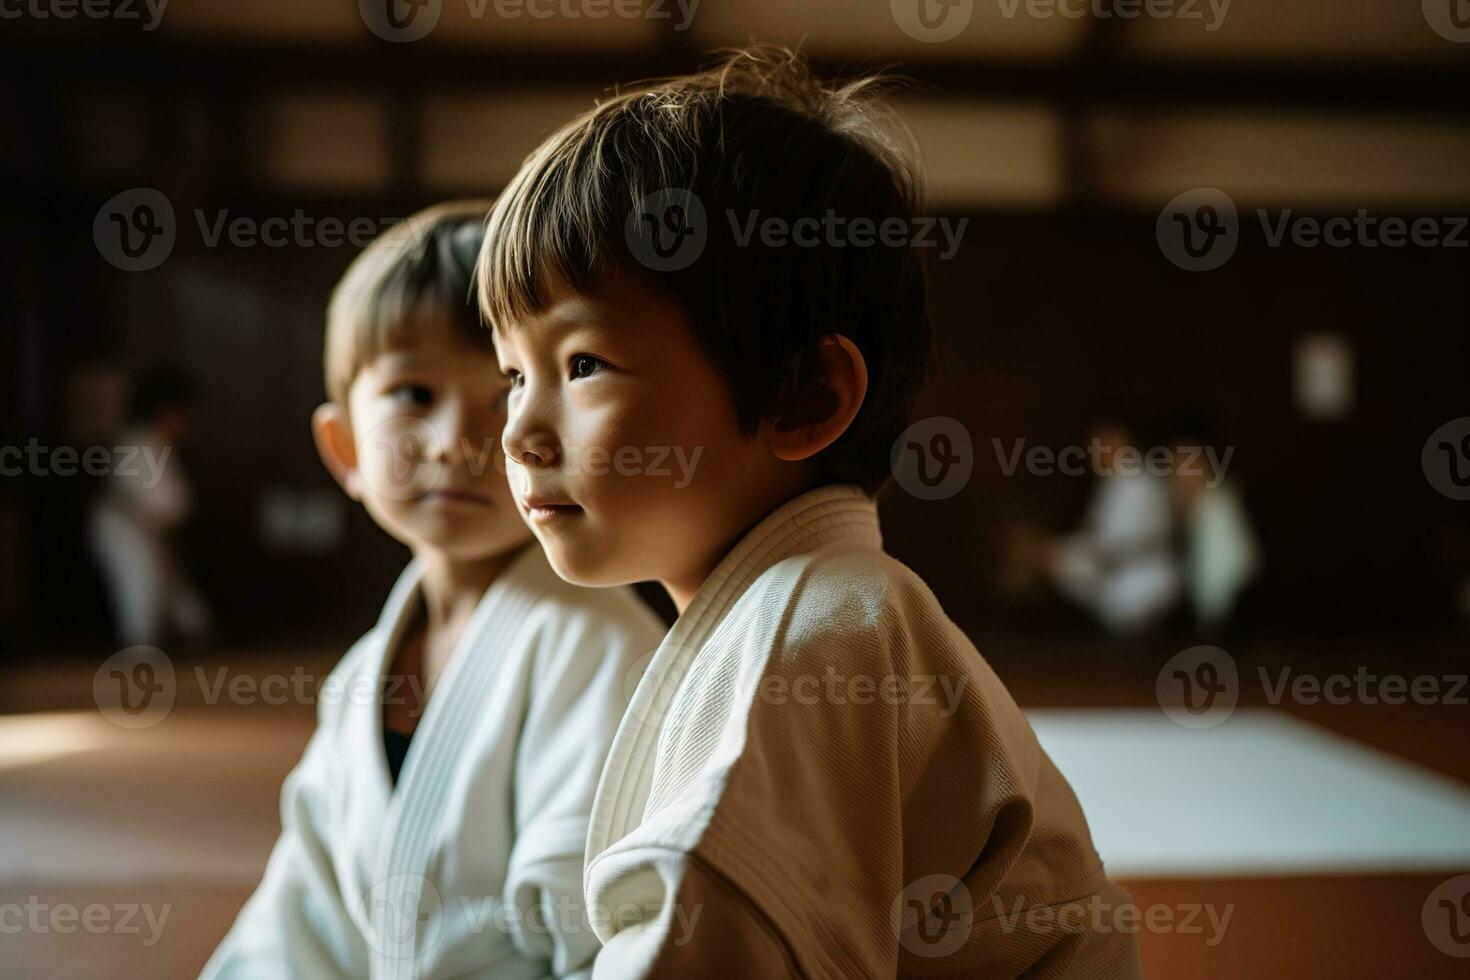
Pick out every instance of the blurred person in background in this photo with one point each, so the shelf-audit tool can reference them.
(1220, 552)
(141, 504)
(1120, 567)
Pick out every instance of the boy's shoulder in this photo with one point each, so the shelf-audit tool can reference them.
(557, 609)
(846, 591)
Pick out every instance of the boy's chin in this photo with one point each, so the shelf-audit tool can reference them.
(580, 569)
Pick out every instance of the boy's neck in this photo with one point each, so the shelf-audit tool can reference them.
(451, 589)
(682, 589)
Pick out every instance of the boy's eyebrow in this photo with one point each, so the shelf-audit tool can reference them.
(569, 316)
(400, 359)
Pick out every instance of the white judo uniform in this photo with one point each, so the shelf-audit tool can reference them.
(128, 526)
(472, 865)
(819, 776)
(1121, 566)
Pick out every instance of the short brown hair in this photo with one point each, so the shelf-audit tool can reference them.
(419, 271)
(756, 135)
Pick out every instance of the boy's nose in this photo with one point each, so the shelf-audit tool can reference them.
(446, 423)
(533, 455)
(466, 437)
(526, 442)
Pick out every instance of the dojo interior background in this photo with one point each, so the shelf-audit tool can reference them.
(1329, 829)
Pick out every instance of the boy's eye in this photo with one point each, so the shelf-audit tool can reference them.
(411, 394)
(585, 365)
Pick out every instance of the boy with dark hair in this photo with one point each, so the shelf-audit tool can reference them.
(435, 826)
(818, 775)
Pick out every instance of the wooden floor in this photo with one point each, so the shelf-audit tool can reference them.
(127, 853)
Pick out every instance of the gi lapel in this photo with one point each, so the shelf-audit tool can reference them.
(819, 516)
(367, 806)
(405, 902)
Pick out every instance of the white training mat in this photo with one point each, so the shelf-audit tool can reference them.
(1261, 794)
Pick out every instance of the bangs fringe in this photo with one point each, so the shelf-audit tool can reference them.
(418, 272)
(561, 218)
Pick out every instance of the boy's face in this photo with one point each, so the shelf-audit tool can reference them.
(426, 422)
(625, 453)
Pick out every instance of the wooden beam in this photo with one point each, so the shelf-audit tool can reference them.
(1433, 88)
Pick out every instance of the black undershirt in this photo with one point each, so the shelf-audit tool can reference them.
(395, 746)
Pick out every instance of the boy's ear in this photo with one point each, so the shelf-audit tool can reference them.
(819, 415)
(333, 434)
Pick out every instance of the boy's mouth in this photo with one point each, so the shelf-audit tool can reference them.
(543, 511)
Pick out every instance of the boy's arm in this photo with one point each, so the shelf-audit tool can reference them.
(868, 765)
(578, 696)
(296, 924)
(789, 859)
(735, 938)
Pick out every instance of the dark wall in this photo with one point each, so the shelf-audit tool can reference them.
(1053, 320)
(1044, 321)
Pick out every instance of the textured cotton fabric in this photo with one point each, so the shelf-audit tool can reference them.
(472, 865)
(885, 825)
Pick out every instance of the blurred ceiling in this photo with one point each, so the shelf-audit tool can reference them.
(1280, 30)
(1017, 104)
